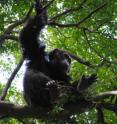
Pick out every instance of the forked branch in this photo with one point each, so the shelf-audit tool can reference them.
(53, 23)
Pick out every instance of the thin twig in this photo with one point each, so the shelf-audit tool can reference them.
(67, 11)
(48, 5)
(94, 11)
(21, 120)
(8, 36)
(17, 23)
(12, 26)
(4, 93)
(81, 21)
(103, 59)
(88, 42)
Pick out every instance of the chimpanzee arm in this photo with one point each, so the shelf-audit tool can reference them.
(31, 46)
(29, 38)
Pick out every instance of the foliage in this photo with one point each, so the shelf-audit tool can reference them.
(94, 40)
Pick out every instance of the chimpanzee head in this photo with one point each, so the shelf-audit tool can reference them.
(60, 61)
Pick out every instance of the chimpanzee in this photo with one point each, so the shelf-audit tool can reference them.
(42, 67)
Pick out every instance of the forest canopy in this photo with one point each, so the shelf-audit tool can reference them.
(87, 30)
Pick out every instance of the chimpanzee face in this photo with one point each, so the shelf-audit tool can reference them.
(60, 60)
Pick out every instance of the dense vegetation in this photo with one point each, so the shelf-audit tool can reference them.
(85, 28)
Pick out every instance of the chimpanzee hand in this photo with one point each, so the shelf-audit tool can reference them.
(85, 82)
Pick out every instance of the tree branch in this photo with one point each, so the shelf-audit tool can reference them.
(103, 58)
(23, 122)
(47, 114)
(100, 116)
(48, 5)
(8, 36)
(80, 60)
(15, 24)
(84, 62)
(105, 95)
(88, 42)
(109, 106)
(94, 11)
(44, 113)
(4, 93)
(67, 11)
(81, 21)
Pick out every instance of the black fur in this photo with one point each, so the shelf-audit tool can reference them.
(42, 67)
